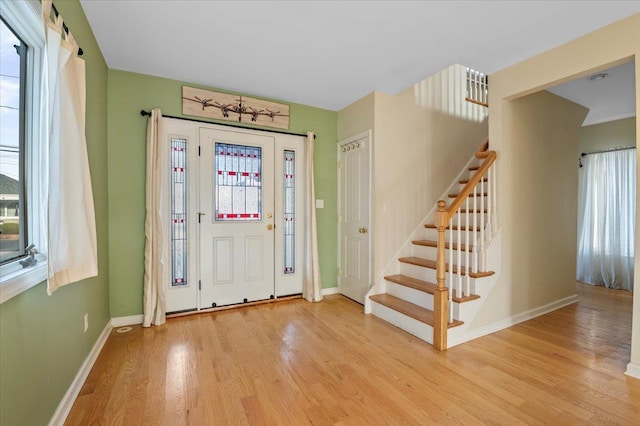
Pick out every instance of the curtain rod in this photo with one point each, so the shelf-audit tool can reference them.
(607, 150)
(64, 26)
(148, 113)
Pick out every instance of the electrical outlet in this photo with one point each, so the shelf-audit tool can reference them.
(86, 322)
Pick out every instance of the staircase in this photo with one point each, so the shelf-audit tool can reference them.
(437, 285)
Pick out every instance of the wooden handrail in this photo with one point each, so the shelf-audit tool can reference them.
(489, 158)
(442, 218)
(473, 101)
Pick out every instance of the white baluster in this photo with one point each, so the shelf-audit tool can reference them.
(474, 236)
(467, 248)
(482, 219)
(451, 277)
(494, 186)
(459, 254)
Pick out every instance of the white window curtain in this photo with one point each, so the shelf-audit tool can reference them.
(71, 229)
(156, 224)
(606, 222)
(311, 283)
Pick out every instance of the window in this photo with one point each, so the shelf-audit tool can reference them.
(13, 233)
(238, 182)
(22, 179)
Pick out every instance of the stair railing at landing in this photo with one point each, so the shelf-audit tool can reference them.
(478, 199)
(477, 87)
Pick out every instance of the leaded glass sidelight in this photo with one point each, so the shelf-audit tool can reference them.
(178, 212)
(238, 182)
(289, 211)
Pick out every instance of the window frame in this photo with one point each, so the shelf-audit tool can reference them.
(23, 227)
(25, 20)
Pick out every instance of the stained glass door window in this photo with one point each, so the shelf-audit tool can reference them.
(238, 182)
(289, 211)
(178, 212)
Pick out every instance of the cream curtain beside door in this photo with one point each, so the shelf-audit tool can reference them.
(156, 224)
(311, 284)
(71, 229)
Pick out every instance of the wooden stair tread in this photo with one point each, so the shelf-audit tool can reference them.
(454, 227)
(411, 282)
(407, 308)
(464, 298)
(463, 181)
(431, 264)
(473, 168)
(470, 195)
(432, 243)
(427, 287)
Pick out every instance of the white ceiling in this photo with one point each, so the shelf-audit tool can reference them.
(331, 53)
(611, 98)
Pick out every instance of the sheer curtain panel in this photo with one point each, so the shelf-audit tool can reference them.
(71, 228)
(606, 219)
(156, 224)
(311, 283)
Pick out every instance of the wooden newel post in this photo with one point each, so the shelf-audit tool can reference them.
(440, 297)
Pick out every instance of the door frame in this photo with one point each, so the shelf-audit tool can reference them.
(368, 135)
(284, 285)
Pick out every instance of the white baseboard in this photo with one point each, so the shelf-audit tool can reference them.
(633, 370)
(70, 396)
(511, 321)
(130, 320)
(330, 290)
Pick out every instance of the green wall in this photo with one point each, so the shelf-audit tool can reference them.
(128, 94)
(42, 343)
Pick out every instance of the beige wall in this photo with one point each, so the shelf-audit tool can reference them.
(602, 49)
(357, 117)
(613, 134)
(418, 150)
(538, 193)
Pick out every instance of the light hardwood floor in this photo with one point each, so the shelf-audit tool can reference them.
(297, 363)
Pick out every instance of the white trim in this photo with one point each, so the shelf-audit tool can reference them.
(70, 396)
(130, 320)
(368, 135)
(22, 280)
(329, 291)
(513, 320)
(633, 370)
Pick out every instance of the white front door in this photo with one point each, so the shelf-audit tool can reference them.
(236, 217)
(354, 228)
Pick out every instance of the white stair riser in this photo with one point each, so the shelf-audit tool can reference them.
(464, 311)
(428, 274)
(486, 185)
(417, 297)
(463, 218)
(426, 252)
(419, 272)
(417, 328)
(432, 234)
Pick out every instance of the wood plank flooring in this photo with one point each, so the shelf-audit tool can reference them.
(298, 363)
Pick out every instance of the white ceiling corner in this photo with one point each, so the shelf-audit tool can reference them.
(328, 54)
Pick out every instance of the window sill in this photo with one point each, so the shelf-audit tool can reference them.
(16, 282)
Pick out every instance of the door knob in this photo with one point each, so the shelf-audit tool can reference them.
(270, 227)
(362, 230)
